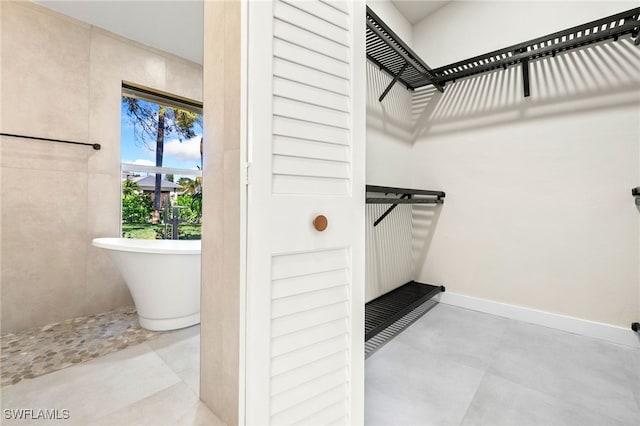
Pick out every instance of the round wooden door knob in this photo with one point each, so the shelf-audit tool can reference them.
(320, 223)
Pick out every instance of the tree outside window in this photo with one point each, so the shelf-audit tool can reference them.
(161, 156)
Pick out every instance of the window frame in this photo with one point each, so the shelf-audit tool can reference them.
(156, 96)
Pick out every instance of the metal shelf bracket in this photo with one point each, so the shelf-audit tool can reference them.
(407, 196)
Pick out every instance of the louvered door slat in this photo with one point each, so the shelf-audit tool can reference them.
(302, 125)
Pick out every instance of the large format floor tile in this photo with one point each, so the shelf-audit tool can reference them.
(453, 366)
(154, 383)
(96, 388)
(458, 335)
(181, 352)
(161, 408)
(456, 366)
(501, 402)
(404, 385)
(176, 405)
(635, 367)
(585, 372)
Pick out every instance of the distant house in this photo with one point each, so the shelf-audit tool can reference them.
(147, 184)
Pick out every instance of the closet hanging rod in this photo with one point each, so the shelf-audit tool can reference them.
(396, 201)
(611, 27)
(95, 146)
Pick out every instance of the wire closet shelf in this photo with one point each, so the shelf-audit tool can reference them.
(386, 50)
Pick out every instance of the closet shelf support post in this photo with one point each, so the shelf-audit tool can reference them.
(393, 82)
(407, 196)
(389, 210)
(525, 77)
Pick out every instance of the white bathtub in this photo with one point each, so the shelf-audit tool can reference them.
(163, 277)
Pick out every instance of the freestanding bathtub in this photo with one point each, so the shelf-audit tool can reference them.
(163, 277)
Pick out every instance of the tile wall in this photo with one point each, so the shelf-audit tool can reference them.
(61, 78)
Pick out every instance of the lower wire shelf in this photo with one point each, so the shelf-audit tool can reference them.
(383, 311)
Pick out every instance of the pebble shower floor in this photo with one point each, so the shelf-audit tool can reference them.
(41, 350)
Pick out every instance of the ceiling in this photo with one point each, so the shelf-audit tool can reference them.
(175, 26)
(417, 10)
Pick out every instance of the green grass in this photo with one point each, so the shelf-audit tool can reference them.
(147, 231)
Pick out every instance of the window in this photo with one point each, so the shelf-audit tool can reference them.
(161, 165)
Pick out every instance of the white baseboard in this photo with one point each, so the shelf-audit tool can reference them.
(610, 333)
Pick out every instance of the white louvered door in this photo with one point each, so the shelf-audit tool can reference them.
(305, 289)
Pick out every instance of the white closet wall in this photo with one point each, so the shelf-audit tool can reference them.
(389, 258)
(539, 211)
(389, 125)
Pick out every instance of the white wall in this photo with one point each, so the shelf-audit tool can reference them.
(538, 210)
(388, 122)
(395, 20)
(483, 26)
(389, 263)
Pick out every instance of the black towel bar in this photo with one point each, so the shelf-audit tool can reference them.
(95, 146)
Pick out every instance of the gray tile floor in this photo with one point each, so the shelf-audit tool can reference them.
(153, 383)
(453, 366)
(459, 367)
